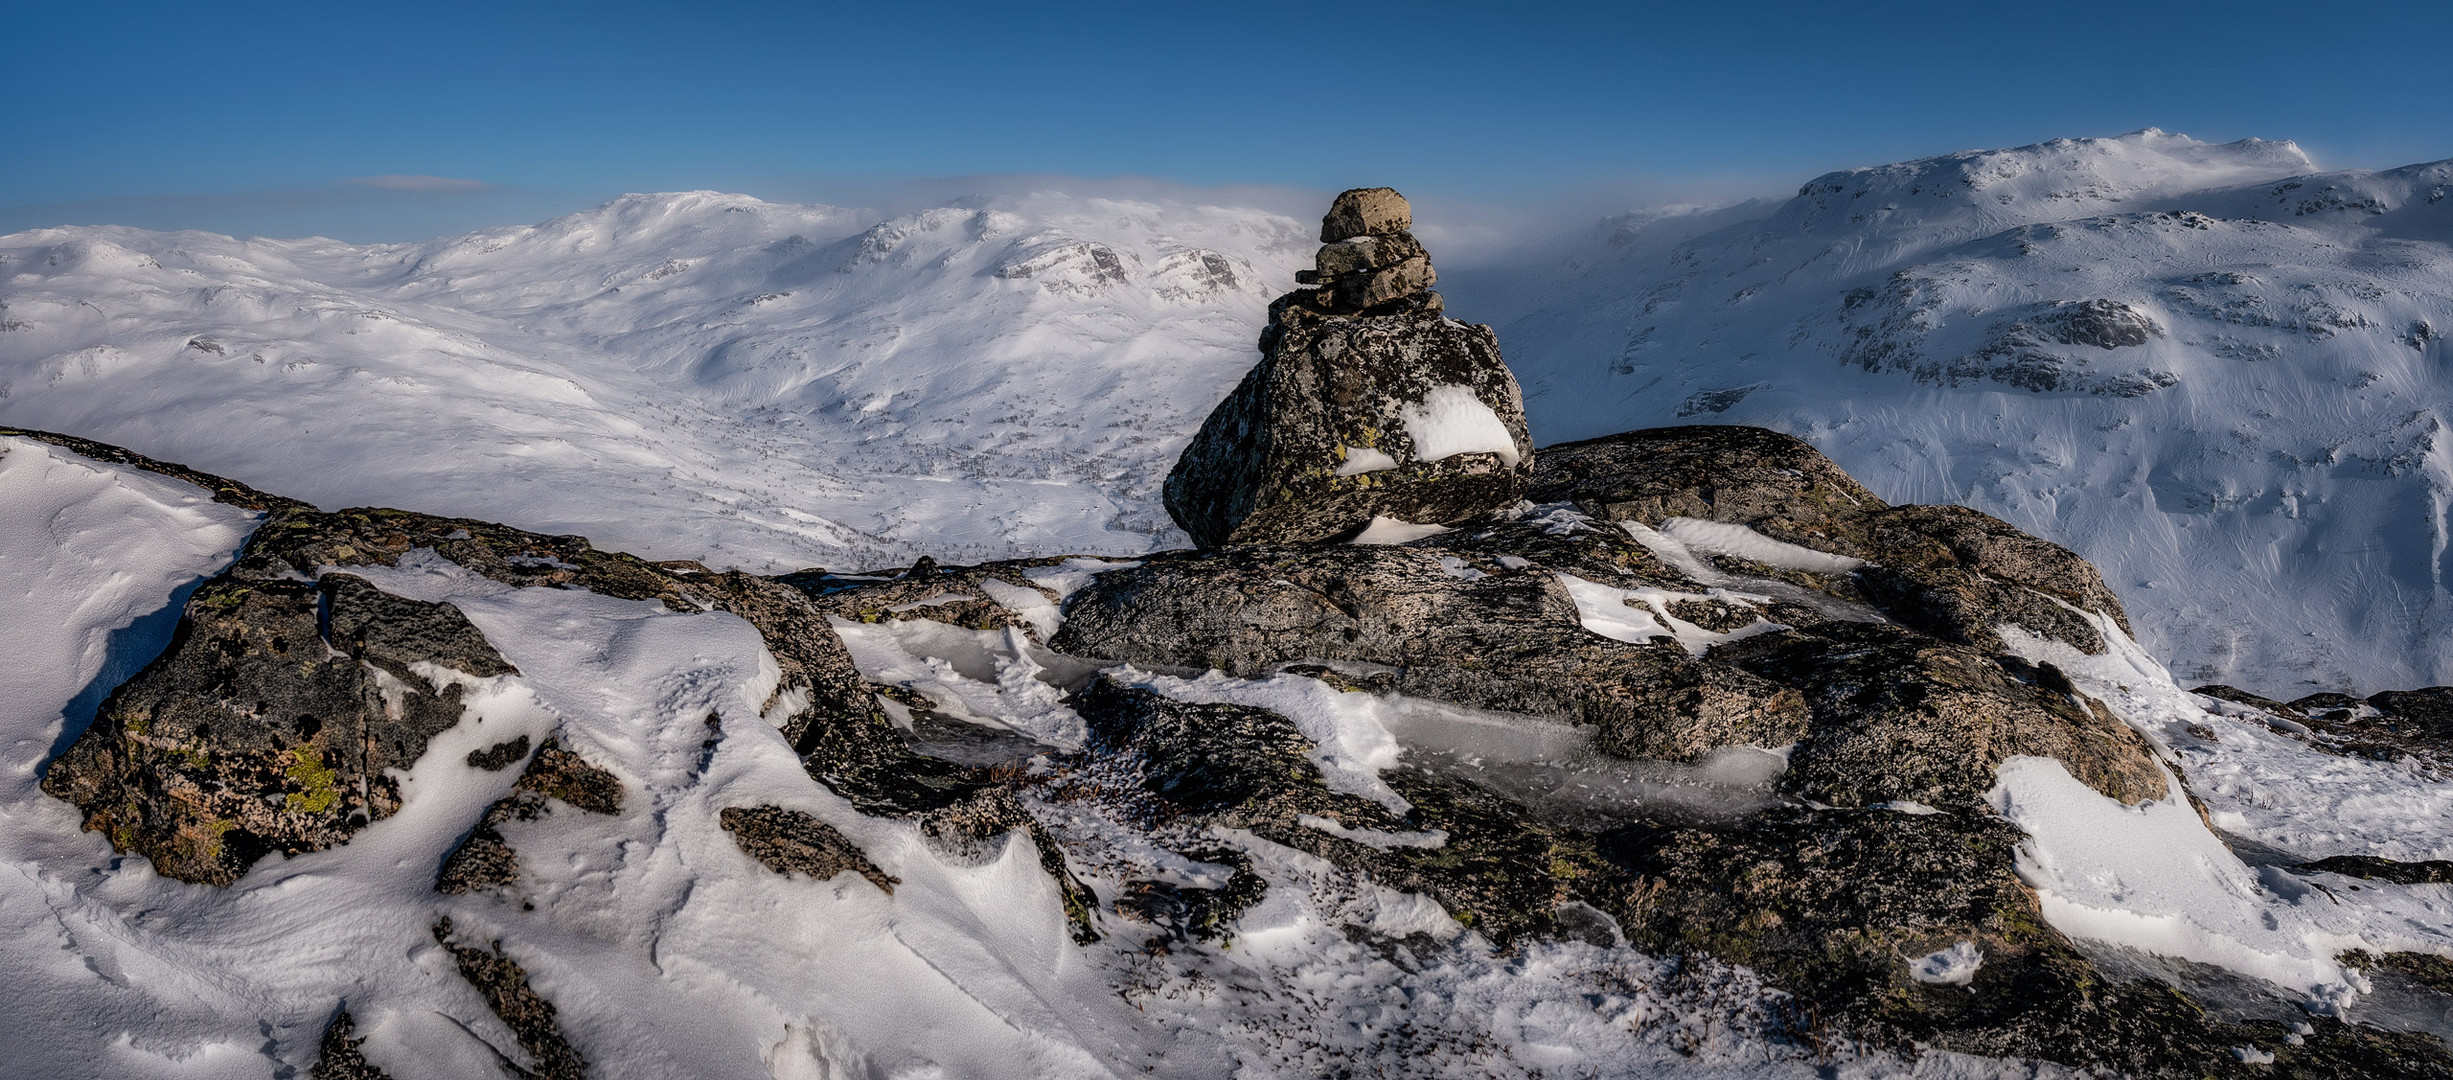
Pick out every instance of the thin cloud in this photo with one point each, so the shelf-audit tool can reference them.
(410, 182)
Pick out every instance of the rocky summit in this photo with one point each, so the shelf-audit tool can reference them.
(1368, 403)
(1700, 750)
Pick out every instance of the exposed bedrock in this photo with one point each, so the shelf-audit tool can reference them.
(270, 724)
(1949, 571)
(1367, 402)
(1508, 639)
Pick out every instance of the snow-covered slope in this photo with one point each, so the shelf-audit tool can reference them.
(2215, 372)
(2211, 369)
(693, 375)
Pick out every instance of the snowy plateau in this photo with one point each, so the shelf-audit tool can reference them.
(2214, 371)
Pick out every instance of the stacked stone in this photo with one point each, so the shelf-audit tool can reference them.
(1369, 261)
(1368, 403)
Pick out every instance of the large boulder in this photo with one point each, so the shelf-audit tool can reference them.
(279, 720)
(1367, 403)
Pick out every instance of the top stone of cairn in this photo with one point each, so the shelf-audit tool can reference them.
(1375, 211)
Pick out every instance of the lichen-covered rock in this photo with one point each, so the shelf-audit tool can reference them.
(532, 1019)
(485, 859)
(1375, 211)
(1367, 403)
(1504, 639)
(793, 842)
(337, 1057)
(1900, 716)
(1776, 484)
(271, 724)
(1950, 571)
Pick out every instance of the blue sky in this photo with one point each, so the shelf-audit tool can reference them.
(285, 119)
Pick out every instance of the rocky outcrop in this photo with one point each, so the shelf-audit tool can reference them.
(1899, 716)
(1874, 665)
(1482, 635)
(1956, 573)
(271, 724)
(1367, 403)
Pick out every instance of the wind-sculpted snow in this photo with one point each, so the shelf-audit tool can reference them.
(2214, 371)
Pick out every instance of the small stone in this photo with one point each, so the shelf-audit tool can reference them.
(1346, 257)
(1363, 254)
(1366, 212)
(1402, 280)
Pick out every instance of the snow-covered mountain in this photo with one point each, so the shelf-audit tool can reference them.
(694, 375)
(2212, 369)
(2215, 371)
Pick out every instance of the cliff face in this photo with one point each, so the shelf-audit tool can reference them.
(1704, 720)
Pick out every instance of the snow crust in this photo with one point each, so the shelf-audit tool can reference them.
(1364, 459)
(1642, 614)
(1727, 538)
(1450, 420)
(1389, 530)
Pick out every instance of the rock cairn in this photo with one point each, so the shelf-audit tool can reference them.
(1369, 260)
(1368, 403)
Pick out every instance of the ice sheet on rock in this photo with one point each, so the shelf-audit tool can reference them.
(1640, 614)
(990, 677)
(1555, 771)
(1069, 576)
(1685, 560)
(1031, 605)
(1351, 744)
(1450, 420)
(1389, 530)
(1379, 838)
(1727, 538)
(1954, 966)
